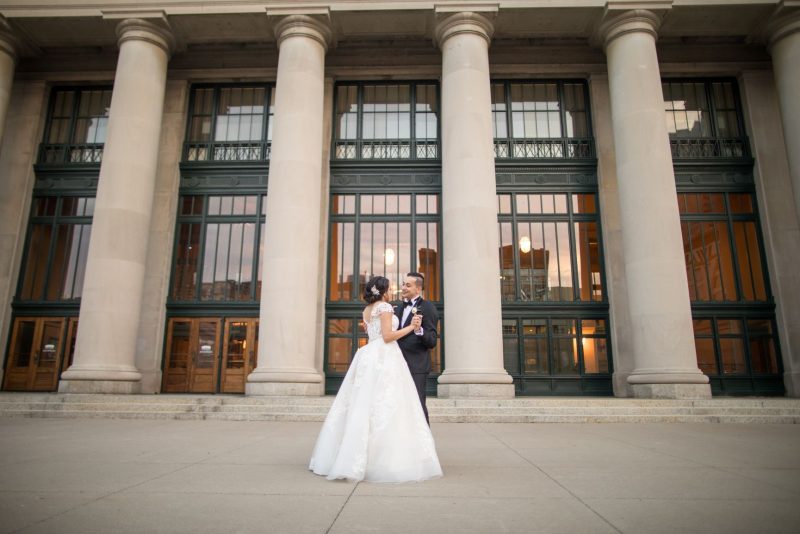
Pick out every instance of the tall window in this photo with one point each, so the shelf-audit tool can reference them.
(555, 332)
(541, 120)
(218, 245)
(230, 123)
(76, 125)
(386, 121)
(703, 119)
(735, 335)
(56, 249)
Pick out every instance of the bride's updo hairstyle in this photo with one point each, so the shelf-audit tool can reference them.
(375, 289)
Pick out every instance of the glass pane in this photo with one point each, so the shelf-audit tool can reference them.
(180, 345)
(733, 357)
(207, 347)
(595, 354)
(507, 275)
(36, 262)
(706, 360)
(535, 355)
(341, 277)
(749, 260)
(504, 204)
(428, 261)
(237, 345)
(740, 203)
(184, 278)
(50, 344)
(510, 346)
(763, 359)
(23, 343)
(587, 256)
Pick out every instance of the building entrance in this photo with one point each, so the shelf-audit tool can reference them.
(35, 357)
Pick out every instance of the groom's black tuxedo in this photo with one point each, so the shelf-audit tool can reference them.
(416, 349)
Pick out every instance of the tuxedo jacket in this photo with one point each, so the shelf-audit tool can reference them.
(416, 349)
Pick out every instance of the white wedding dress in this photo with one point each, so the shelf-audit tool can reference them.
(376, 430)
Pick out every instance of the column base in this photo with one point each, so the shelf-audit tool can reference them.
(118, 387)
(619, 382)
(285, 382)
(671, 391)
(475, 391)
(790, 380)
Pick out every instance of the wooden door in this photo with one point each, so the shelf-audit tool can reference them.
(238, 354)
(192, 356)
(35, 356)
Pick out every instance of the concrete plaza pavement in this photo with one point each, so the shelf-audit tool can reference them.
(136, 476)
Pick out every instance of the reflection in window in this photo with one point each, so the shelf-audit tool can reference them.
(230, 123)
(57, 248)
(541, 120)
(76, 125)
(544, 258)
(703, 119)
(386, 121)
(219, 244)
(736, 347)
(375, 246)
(721, 247)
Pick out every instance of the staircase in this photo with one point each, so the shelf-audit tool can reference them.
(518, 410)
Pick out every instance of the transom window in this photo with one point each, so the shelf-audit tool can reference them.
(550, 247)
(76, 125)
(56, 249)
(704, 119)
(386, 121)
(230, 123)
(218, 246)
(541, 120)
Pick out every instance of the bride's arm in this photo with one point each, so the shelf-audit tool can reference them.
(387, 333)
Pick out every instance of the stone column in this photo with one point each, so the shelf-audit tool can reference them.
(290, 266)
(112, 291)
(658, 292)
(784, 45)
(8, 59)
(473, 335)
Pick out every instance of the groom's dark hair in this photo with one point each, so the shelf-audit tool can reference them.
(420, 279)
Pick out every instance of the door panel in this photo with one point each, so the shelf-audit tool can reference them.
(176, 374)
(192, 356)
(35, 356)
(206, 356)
(239, 353)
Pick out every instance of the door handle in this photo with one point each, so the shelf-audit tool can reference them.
(36, 357)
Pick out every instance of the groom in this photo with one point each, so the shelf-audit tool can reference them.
(417, 345)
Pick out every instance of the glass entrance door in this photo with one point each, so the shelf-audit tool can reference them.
(35, 355)
(239, 353)
(192, 356)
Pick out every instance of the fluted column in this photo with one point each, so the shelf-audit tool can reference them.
(8, 59)
(290, 265)
(784, 46)
(473, 336)
(658, 291)
(112, 291)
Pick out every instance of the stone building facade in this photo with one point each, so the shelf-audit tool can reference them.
(602, 195)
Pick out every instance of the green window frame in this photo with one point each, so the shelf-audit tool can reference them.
(380, 121)
(56, 249)
(76, 126)
(218, 247)
(704, 119)
(541, 120)
(229, 123)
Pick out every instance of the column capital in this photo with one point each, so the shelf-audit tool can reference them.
(464, 22)
(781, 26)
(631, 21)
(135, 29)
(8, 40)
(307, 26)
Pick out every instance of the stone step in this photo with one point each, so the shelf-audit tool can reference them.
(519, 410)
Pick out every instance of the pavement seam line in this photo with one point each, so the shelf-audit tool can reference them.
(342, 508)
(545, 473)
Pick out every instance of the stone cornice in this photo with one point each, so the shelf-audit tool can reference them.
(303, 25)
(632, 21)
(464, 22)
(139, 29)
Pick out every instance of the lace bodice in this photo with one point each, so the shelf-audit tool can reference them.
(374, 325)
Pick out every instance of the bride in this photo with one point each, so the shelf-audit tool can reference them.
(376, 430)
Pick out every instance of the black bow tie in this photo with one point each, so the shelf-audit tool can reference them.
(408, 303)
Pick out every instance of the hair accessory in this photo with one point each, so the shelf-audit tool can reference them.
(374, 291)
